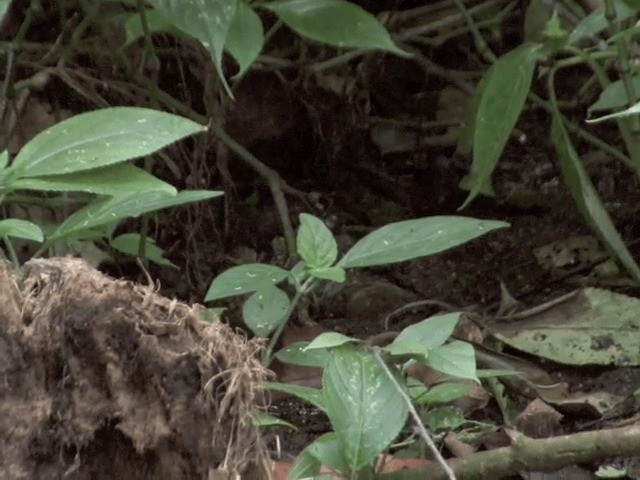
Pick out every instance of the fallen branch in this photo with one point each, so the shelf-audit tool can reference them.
(528, 454)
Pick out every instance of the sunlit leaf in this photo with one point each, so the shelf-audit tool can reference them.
(432, 332)
(119, 179)
(328, 450)
(586, 196)
(244, 279)
(14, 227)
(246, 37)
(506, 88)
(209, 22)
(262, 419)
(334, 22)
(457, 359)
(312, 396)
(100, 138)
(128, 243)
(296, 354)
(329, 340)
(107, 210)
(366, 410)
(315, 243)
(400, 241)
(265, 310)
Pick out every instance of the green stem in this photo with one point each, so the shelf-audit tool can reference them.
(267, 357)
(13, 257)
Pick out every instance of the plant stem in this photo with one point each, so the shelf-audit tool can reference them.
(273, 341)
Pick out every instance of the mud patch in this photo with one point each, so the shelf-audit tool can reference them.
(106, 379)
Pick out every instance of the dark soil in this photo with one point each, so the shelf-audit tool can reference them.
(105, 379)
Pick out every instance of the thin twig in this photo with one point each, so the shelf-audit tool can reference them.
(414, 414)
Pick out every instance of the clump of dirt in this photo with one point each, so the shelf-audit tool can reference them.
(106, 379)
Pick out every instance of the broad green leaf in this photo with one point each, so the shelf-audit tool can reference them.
(366, 410)
(408, 348)
(614, 96)
(457, 359)
(335, 274)
(246, 37)
(119, 179)
(107, 210)
(593, 327)
(443, 418)
(438, 394)
(100, 138)
(128, 243)
(244, 279)
(315, 243)
(209, 22)
(14, 227)
(312, 396)
(335, 22)
(295, 354)
(329, 340)
(265, 310)
(505, 91)
(409, 239)
(596, 21)
(586, 197)
(262, 419)
(627, 112)
(306, 466)
(328, 450)
(432, 332)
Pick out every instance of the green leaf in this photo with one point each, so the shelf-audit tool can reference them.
(306, 466)
(586, 197)
(443, 418)
(100, 138)
(505, 91)
(329, 340)
(129, 243)
(209, 22)
(366, 410)
(119, 179)
(627, 112)
(4, 159)
(335, 22)
(244, 279)
(265, 310)
(315, 243)
(328, 450)
(614, 96)
(312, 396)
(335, 274)
(262, 419)
(245, 38)
(438, 394)
(106, 210)
(457, 359)
(296, 354)
(14, 227)
(410, 239)
(432, 332)
(596, 21)
(409, 349)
